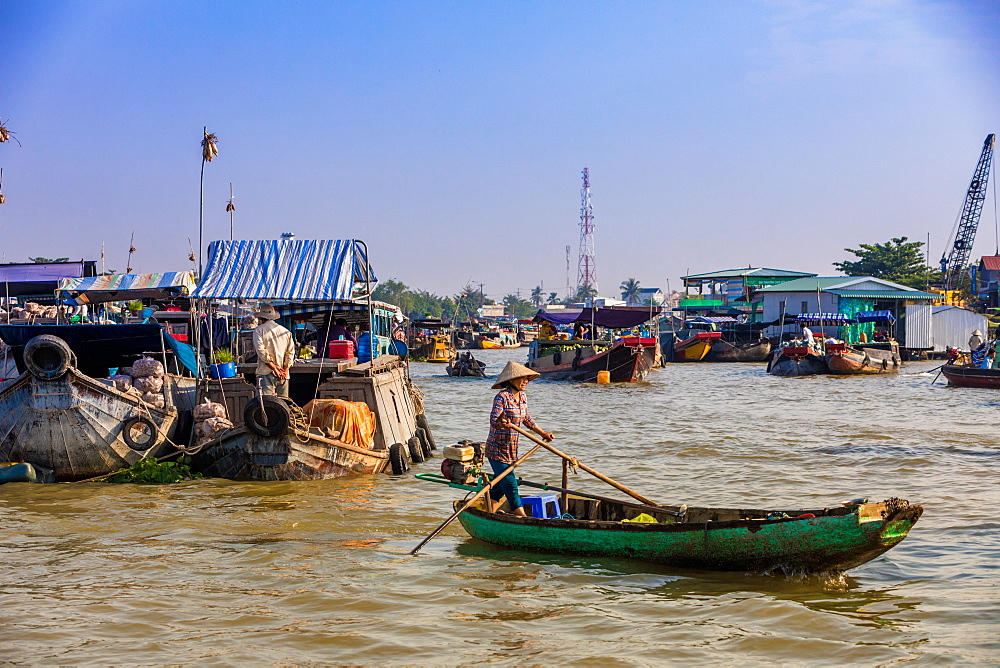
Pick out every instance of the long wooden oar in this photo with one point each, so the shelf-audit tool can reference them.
(478, 495)
(596, 474)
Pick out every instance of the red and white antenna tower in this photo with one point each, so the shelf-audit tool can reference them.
(586, 274)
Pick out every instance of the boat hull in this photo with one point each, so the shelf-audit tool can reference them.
(239, 454)
(833, 540)
(966, 376)
(862, 362)
(625, 363)
(73, 425)
(797, 361)
(696, 347)
(725, 351)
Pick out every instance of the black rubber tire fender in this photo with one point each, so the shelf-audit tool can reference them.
(416, 450)
(272, 421)
(422, 423)
(47, 357)
(397, 460)
(425, 445)
(130, 439)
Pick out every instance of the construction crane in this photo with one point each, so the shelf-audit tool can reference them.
(955, 263)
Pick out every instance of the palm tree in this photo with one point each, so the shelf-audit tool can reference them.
(553, 297)
(630, 291)
(537, 295)
(585, 292)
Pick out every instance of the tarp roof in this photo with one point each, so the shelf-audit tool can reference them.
(324, 270)
(124, 287)
(40, 278)
(613, 317)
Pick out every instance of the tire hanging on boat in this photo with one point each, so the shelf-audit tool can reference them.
(422, 423)
(47, 357)
(416, 450)
(425, 445)
(145, 426)
(270, 420)
(397, 460)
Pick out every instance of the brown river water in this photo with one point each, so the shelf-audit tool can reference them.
(213, 572)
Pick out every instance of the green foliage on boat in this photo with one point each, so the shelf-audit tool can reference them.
(154, 472)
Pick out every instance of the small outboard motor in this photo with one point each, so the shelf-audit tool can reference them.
(462, 462)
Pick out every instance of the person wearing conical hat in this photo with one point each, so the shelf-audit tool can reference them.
(275, 348)
(510, 406)
(975, 340)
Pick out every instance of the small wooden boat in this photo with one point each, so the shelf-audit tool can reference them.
(797, 361)
(835, 538)
(497, 340)
(466, 365)
(627, 360)
(970, 376)
(743, 351)
(695, 347)
(58, 418)
(844, 359)
(431, 340)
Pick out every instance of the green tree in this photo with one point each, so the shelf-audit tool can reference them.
(584, 292)
(897, 260)
(47, 260)
(553, 298)
(517, 307)
(630, 291)
(537, 295)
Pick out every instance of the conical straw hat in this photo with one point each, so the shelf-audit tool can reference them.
(514, 370)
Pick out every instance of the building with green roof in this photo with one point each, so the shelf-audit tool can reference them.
(847, 295)
(731, 289)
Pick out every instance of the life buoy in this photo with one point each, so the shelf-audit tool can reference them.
(139, 433)
(416, 450)
(47, 357)
(270, 420)
(397, 460)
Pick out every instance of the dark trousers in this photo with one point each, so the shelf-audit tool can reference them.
(507, 486)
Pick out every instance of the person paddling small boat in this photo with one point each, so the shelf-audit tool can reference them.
(510, 406)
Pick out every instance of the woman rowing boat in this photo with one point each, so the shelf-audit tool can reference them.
(510, 407)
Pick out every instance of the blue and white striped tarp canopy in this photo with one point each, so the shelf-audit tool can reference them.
(713, 318)
(875, 316)
(324, 270)
(126, 287)
(825, 318)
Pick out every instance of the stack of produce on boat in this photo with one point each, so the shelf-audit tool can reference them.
(147, 379)
(209, 420)
(624, 359)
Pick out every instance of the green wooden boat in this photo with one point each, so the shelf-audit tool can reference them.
(836, 538)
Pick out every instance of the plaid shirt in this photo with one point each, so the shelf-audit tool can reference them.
(501, 445)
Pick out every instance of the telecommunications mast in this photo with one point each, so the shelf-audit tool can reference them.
(586, 275)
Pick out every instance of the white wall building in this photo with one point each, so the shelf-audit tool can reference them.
(935, 328)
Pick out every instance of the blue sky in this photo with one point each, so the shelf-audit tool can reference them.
(450, 135)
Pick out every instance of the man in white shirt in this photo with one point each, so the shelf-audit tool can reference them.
(807, 335)
(275, 348)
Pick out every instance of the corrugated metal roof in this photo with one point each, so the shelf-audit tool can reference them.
(747, 271)
(884, 294)
(838, 284)
(991, 262)
(324, 270)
